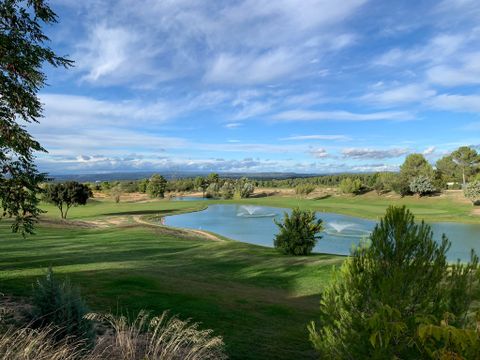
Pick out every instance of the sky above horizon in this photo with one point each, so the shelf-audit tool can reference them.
(312, 86)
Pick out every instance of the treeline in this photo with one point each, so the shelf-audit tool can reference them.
(323, 180)
(457, 170)
(211, 186)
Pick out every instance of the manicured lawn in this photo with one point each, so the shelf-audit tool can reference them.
(258, 300)
(371, 206)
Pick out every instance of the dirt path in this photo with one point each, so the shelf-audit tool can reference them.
(200, 233)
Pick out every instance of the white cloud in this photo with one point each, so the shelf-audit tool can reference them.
(319, 153)
(233, 125)
(465, 70)
(311, 115)
(430, 150)
(318, 137)
(400, 95)
(254, 68)
(258, 40)
(460, 103)
(366, 153)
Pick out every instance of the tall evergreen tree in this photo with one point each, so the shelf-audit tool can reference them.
(468, 160)
(391, 289)
(23, 51)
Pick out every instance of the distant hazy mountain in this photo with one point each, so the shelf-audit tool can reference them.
(171, 175)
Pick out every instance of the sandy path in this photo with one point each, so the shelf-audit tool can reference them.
(201, 233)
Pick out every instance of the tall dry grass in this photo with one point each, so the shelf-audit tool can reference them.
(30, 344)
(146, 338)
(156, 338)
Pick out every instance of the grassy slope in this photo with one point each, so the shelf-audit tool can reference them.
(257, 299)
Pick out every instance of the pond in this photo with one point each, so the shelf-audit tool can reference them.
(189, 198)
(254, 225)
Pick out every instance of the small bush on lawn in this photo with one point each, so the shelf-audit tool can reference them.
(57, 303)
(298, 232)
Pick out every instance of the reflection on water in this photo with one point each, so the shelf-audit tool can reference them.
(255, 225)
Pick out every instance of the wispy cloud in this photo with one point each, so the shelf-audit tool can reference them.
(311, 115)
(365, 153)
(317, 137)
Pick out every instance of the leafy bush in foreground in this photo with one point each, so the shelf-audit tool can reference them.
(390, 299)
(298, 232)
(59, 304)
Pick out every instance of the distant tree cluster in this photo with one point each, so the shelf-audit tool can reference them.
(368, 179)
(212, 186)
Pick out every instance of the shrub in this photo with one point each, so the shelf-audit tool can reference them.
(401, 186)
(304, 189)
(157, 338)
(245, 188)
(213, 191)
(388, 291)
(421, 185)
(350, 186)
(384, 182)
(227, 190)
(116, 193)
(59, 304)
(298, 232)
(472, 192)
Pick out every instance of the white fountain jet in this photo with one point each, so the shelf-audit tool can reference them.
(340, 227)
(250, 209)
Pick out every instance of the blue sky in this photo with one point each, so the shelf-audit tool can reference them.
(312, 86)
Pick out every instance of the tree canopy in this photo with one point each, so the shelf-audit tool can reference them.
(23, 51)
(299, 232)
(468, 161)
(156, 186)
(415, 165)
(66, 195)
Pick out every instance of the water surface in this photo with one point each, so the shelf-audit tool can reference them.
(255, 225)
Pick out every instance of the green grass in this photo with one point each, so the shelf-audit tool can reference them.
(370, 206)
(257, 299)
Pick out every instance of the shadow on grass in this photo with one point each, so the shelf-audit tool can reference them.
(323, 197)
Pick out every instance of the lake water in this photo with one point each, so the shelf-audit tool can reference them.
(254, 225)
